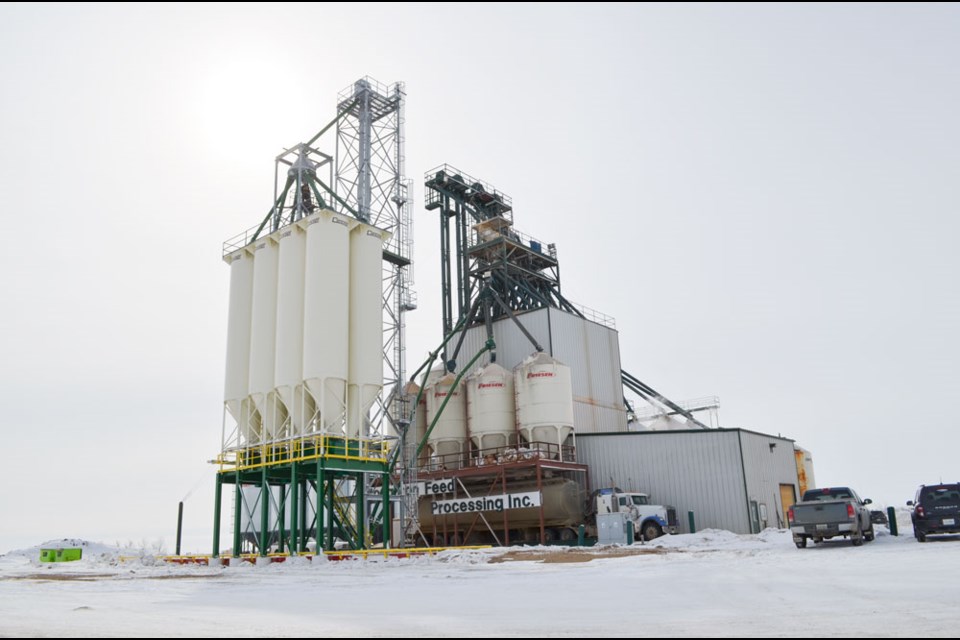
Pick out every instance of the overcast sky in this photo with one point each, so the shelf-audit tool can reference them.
(765, 198)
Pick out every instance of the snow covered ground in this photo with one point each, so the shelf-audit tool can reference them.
(713, 583)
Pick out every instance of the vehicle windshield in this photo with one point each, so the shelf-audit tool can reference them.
(942, 495)
(827, 494)
(640, 500)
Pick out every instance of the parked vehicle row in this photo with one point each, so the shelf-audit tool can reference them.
(838, 511)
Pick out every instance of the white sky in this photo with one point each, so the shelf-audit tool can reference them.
(764, 197)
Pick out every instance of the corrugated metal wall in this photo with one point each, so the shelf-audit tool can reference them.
(766, 468)
(692, 471)
(591, 350)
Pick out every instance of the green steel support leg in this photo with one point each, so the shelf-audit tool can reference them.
(331, 488)
(294, 510)
(237, 505)
(218, 495)
(264, 512)
(361, 524)
(385, 511)
(281, 517)
(321, 492)
(303, 518)
(892, 521)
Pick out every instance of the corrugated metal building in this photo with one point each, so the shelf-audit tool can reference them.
(731, 479)
(590, 349)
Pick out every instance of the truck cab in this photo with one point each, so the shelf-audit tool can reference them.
(649, 520)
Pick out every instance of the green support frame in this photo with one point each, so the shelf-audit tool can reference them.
(287, 485)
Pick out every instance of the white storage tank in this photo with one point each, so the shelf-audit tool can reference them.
(263, 325)
(544, 395)
(288, 372)
(491, 416)
(449, 437)
(326, 320)
(365, 372)
(237, 379)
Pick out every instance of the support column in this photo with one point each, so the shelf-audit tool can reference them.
(302, 539)
(385, 511)
(321, 492)
(264, 511)
(361, 521)
(218, 495)
(281, 517)
(294, 511)
(331, 495)
(237, 506)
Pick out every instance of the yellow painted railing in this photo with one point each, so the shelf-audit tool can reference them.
(303, 449)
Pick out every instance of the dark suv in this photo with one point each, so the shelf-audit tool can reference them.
(936, 509)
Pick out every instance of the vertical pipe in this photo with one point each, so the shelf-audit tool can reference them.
(218, 495)
(237, 506)
(179, 525)
(543, 530)
(691, 522)
(506, 520)
(264, 511)
(294, 499)
(892, 521)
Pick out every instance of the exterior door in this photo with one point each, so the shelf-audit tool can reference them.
(788, 498)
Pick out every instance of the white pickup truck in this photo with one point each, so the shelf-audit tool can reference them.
(830, 512)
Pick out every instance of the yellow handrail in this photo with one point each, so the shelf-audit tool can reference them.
(302, 449)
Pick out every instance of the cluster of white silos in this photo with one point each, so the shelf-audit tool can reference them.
(304, 332)
(492, 406)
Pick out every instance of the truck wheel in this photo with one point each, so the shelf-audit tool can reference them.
(567, 534)
(857, 539)
(651, 530)
(801, 543)
(921, 537)
(870, 535)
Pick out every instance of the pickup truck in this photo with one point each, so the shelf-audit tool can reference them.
(830, 512)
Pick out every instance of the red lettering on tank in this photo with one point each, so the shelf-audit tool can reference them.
(542, 374)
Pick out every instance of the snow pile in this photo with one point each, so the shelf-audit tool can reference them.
(721, 540)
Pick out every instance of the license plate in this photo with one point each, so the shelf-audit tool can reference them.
(822, 527)
(949, 522)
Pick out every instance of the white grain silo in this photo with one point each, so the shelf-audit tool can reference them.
(365, 373)
(449, 436)
(237, 379)
(326, 321)
(263, 334)
(491, 414)
(286, 398)
(544, 400)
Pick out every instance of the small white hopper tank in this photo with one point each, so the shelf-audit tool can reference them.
(544, 394)
(449, 436)
(491, 416)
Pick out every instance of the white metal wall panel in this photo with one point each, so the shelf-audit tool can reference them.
(766, 468)
(692, 471)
